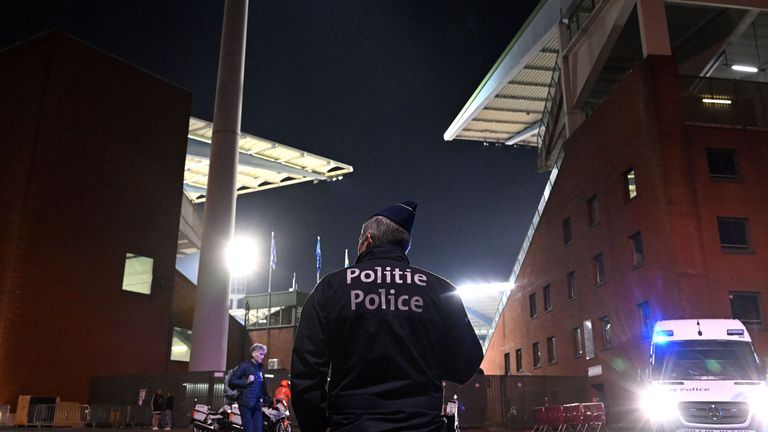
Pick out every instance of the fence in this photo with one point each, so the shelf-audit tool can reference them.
(62, 414)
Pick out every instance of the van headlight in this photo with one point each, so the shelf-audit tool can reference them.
(659, 404)
(758, 404)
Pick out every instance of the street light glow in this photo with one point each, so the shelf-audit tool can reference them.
(484, 289)
(241, 256)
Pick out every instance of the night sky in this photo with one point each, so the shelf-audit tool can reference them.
(370, 83)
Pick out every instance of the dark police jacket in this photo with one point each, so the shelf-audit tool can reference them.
(387, 334)
(254, 393)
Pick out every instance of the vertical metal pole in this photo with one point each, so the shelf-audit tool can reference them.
(211, 321)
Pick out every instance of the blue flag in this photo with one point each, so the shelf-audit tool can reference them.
(273, 253)
(319, 258)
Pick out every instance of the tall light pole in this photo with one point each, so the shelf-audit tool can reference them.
(211, 321)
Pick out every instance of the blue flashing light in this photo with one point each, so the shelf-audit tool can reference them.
(735, 332)
(662, 336)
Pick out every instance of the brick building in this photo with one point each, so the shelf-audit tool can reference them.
(656, 197)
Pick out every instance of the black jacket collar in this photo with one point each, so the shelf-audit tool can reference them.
(382, 253)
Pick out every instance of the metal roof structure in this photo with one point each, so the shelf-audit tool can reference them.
(263, 164)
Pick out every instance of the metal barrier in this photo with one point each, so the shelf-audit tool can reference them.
(5, 416)
(43, 415)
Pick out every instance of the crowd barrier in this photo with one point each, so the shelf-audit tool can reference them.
(69, 414)
(576, 417)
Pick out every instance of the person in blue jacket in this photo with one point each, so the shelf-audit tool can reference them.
(377, 339)
(249, 378)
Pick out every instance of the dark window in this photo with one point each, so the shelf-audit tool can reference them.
(638, 256)
(605, 324)
(722, 163)
(507, 365)
(646, 323)
(519, 359)
(547, 298)
(745, 306)
(567, 231)
(536, 355)
(630, 183)
(570, 281)
(733, 234)
(532, 304)
(576, 342)
(599, 268)
(593, 210)
(551, 350)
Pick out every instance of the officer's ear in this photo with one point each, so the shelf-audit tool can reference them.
(366, 241)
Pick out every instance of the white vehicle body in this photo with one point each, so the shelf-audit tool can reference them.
(705, 376)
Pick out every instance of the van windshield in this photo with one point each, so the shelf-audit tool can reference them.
(705, 360)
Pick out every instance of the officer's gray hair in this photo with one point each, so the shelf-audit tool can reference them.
(259, 347)
(385, 232)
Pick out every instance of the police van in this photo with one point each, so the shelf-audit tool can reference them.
(705, 376)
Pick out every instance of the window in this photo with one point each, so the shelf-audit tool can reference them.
(180, 344)
(630, 184)
(570, 281)
(599, 269)
(722, 163)
(733, 234)
(536, 355)
(551, 350)
(547, 298)
(745, 306)
(593, 210)
(532, 304)
(137, 275)
(576, 344)
(638, 256)
(646, 324)
(507, 365)
(519, 360)
(589, 340)
(567, 231)
(605, 325)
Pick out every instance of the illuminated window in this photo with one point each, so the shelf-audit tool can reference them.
(536, 355)
(745, 306)
(576, 343)
(519, 360)
(593, 210)
(607, 330)
(181, 344)
(638, 256)
(599, 269)
(532, 305)
(567, 231)
(547, 298)
(630, 183)
(589, 340)
(722, 163)
(551, 350)
(570, 280)
(137, 275)
(733, 234)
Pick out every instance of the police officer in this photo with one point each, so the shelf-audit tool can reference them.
(249, 378)
(386, 334)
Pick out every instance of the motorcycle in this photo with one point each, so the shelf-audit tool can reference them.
(227, 418)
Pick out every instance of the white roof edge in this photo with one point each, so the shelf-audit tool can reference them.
(526, 44)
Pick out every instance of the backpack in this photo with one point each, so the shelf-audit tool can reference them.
(229, 392)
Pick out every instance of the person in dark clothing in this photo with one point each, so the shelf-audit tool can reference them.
(158, 403)
(377, 339)
(249, 378)
(168, 412)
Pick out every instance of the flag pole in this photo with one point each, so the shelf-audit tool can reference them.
(272, 260)
(271, 263)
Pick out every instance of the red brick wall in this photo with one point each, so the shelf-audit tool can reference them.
(685, 275)
(93, 157)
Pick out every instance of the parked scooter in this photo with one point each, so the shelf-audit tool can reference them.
(227, 419)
